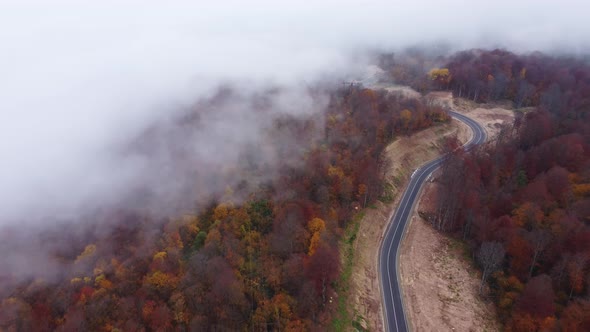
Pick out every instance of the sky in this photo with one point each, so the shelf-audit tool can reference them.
(80, 81)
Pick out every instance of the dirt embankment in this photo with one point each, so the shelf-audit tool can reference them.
(439, 279)
(406, 154)
(490, 116)
(430, 262)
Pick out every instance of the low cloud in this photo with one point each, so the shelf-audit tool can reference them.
(81, 83)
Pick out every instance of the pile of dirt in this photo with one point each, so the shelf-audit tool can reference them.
(402, 90)
(490, 116)
(442, 98)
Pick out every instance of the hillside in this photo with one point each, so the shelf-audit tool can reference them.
(521, 201)
(266, 261)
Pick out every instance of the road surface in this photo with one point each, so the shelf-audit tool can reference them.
(393, 309)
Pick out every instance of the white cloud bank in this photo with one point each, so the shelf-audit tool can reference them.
(79, 80)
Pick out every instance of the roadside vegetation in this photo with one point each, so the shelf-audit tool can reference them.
(521, 202)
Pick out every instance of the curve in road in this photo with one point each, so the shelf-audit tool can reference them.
(393, 308)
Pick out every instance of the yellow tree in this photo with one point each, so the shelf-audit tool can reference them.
(406, 118)
(441, 76)
(315, 227)
(528, 214)
(89, 251)
(220, 212)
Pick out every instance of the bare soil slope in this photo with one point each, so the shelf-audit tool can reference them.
(490, 116)
(439, 280)
(406, 154)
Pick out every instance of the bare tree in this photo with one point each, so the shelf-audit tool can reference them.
(490, 256)
(452, 192)
(539, 239)
(575, 269)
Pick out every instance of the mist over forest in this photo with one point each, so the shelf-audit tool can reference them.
(80, 83)
(132, 130)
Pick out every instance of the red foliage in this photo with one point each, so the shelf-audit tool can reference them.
(537, 298)
(534, 182)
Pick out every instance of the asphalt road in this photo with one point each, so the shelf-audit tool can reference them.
(393, 307)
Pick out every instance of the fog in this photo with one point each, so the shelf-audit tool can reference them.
(80, 83)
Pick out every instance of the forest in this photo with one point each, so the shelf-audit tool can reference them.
(267, 258)
(265, 263)
(521, 202)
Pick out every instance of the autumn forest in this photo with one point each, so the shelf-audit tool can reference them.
(268, 257)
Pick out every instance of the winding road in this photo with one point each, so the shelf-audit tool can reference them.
(393, 307)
